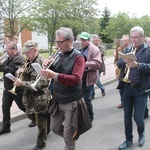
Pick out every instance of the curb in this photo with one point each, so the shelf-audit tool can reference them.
(15, 117)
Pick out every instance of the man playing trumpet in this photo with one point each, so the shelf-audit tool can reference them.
(10, 65)
(36, 101)
(67, 75)
(135, 92)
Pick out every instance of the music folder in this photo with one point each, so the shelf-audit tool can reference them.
(129, 56)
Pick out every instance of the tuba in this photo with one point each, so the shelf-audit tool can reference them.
(55, 58)
(20, 76)
(126, 78)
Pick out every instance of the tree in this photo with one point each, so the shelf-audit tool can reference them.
(120, 24)
(47, 17)
(14, 12)
(80, 16)
(104, 22)
(50, 15)
(144, 22)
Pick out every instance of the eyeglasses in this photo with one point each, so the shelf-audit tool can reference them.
(60, 42)
(8, 49)
(135, 37)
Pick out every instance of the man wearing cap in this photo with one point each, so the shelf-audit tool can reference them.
(93, 63)
(36, 101)
(10, 65)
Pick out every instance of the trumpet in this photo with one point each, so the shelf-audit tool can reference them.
(55, 57)
(20, 76)
(126, 78)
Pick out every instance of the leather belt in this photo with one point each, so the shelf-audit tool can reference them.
(135, 85)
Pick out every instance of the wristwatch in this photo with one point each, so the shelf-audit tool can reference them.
(56, 77)
(138, 65)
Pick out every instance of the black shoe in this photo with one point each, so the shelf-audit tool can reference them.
(2, 79)
(92, 97)
(125, 145)
(39, 147)
(103, 93)
(4, 130)
(141, 139)
(32, 124)
(92, 118)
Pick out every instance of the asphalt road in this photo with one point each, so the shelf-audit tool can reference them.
(107, 132)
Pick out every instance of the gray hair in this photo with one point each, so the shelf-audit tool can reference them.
(95, 36)
(66, 32)
(12, 44)
(137, 28)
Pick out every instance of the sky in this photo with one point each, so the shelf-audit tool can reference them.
(137, 8)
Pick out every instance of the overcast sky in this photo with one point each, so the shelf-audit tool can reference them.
(137, 7)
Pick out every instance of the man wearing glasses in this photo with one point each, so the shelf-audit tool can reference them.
(135, 89)
(14, 61)
(66, 86)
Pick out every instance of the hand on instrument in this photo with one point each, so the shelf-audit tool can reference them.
(20, 70)
(45, 63)
(131, 63)
(18, 82)
(47, 73)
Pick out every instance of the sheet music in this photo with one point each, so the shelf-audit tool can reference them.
(11, 77)
(37, 67)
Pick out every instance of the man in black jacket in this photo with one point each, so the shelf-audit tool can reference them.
(14, 61)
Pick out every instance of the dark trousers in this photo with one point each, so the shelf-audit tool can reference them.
(42, 124)
(87, 93)
(7, 101)
(134, 104)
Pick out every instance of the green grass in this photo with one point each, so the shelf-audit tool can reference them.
(109, 52)
(44, 55)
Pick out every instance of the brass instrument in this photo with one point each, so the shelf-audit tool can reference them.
(126, 78)
(20, 76)
(55, 57)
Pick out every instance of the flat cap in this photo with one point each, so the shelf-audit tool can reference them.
(28, 45)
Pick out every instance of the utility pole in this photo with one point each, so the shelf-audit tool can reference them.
(1, 29)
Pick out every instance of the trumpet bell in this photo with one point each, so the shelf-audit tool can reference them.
(33, 87)
(13, 90)
(126, 80)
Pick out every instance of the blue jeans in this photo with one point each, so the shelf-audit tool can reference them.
(87, 91)
(134, 103)
(100, 85)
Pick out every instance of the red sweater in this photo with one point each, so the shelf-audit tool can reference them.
(77, 73)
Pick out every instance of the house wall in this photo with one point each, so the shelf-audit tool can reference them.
(26, 34)
(41, 39)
